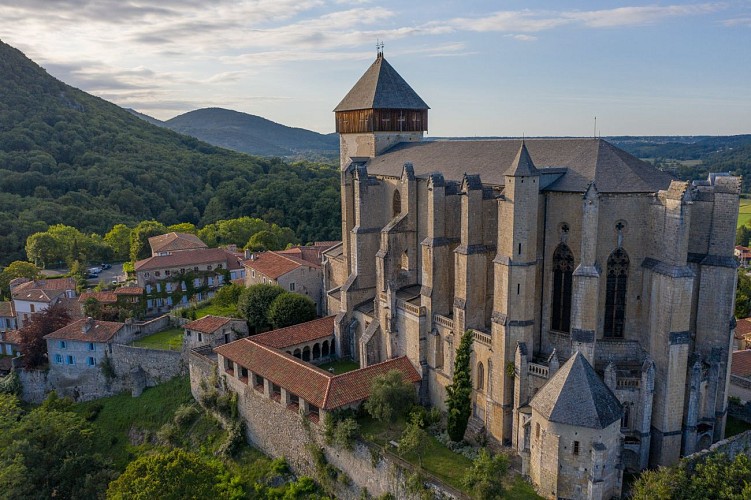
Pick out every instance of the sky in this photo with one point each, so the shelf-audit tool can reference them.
(486, 68)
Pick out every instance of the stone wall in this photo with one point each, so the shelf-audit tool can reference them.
(144, 367)
(34, 384)
(740, 443)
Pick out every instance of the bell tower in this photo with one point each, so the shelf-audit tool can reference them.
(381, 110)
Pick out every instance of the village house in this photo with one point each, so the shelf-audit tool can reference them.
(181, 271)
(33, 296)
(125, 302)
(83, 344)
(10, 346)
(740, 376)
(289, 271)
(8, 320)
(742, 337)
(743, 254)
(213, 331)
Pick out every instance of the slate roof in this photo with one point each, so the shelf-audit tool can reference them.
(586, 160)
(273, 264)
(576, 395)
(522, 164)
(100, 331)
(297, 334)
(189, 258)
(6, 309)
(741, 363)
(307, 381)
(207, 324)
(174, 242)
(381, 87)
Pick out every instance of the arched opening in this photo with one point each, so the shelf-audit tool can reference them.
(333, 349)
(704, 443)
(316, 351)
(438, 351)
(480, 377)
(490, 377)
(405, 261)
(306, 353)
(297, 353)
(396, 203)
(325, 349)
(615, 293)
(563, 271)
(625, 417)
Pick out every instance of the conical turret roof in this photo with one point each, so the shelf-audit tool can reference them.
(522, 164)
(381, 87)
(575, 395)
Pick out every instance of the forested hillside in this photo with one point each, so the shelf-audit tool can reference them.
(68, 157)
(253, 134)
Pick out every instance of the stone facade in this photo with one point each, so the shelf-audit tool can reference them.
(542, 248)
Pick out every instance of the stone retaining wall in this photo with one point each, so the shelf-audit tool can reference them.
(732, 446)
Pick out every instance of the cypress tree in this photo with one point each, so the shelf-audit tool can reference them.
(459, 401)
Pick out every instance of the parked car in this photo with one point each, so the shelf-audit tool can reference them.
(106, 266)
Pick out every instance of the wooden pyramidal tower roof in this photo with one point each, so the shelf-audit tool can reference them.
(381, 87)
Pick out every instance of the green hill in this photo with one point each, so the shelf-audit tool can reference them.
(69, 157)
(253, 134)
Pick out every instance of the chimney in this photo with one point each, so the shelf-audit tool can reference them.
(87, 325)
(248, 253)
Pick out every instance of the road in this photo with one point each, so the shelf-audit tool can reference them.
(107, 275)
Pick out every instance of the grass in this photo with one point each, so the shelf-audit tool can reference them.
(168, 340)
(119, 414)
(744, 212)
(340, 366)
(735, 426)
(214, 310)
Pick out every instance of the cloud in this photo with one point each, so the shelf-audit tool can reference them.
(738, 21)
(522, 38)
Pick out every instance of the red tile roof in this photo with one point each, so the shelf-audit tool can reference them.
(297, 334)
(741, 363)
(190, 258)
(99, 331)
(6, 309)
(102, 297)
(742, 328)
(129, 290)
(207, 324)
(11, 337)
(273, 265)
(307, 381)
(43, 290)
(174, 242)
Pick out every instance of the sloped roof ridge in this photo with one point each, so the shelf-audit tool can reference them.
(278, 352)
(577, 396)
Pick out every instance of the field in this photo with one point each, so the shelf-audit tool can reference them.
(168, 340)
(744, 212)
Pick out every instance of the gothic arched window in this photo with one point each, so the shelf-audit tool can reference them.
(615, 293)
(396, 204)
(480, 377)
(563, 270)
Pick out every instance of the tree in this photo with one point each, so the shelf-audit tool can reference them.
(743, 235)
(254, 303)
(716, 477)
(485, 477)
(262, 241)
(414, 438)
(459, 400)
(183, 227)
(290, 309)
(174, 475)
(17, 269)
(743, 295)
(33, 346)
(391, 396)
(228, 295)
(43, 249)
(139, 238)
(118, 238)
(49, 452)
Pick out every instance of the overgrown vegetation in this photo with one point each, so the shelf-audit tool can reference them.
(460, 390)
(391, 397)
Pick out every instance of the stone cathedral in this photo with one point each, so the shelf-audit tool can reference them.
(599, 291)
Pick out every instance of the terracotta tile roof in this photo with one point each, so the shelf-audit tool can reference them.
(300, 378)
(44, 290)
(310, 254)
(190, 258)
(99, 331)
(102, 297)
(297, 334)
(11, 337)
(207, 324)
(741, 363)
(274, 264)
(307, 381)
(354, 386)
(175, 242)
(742, 328)
(129, 290)
(6, 309)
